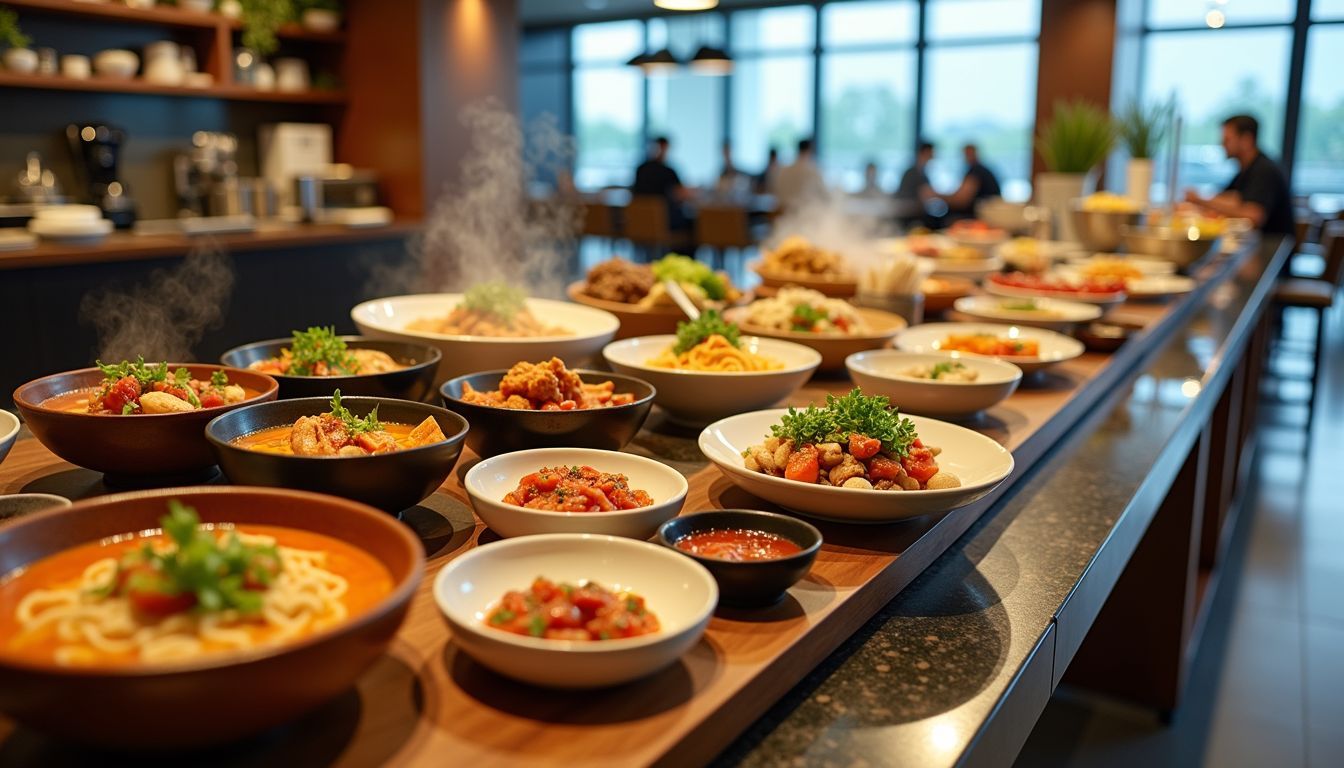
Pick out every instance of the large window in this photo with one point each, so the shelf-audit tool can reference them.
(608, 103)
(772, 82)
(1223, 58)
(685, 106)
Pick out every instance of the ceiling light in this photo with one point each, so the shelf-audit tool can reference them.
(659, 62)
(686, 5)
(1215, 19)
(639, 60)
(712, 61)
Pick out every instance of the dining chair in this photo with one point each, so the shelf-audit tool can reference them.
(1317, 293)
(721, 227)
(646, 226)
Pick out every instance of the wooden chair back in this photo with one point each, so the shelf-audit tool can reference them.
(646, 220)
(599, 220)
(723, 226)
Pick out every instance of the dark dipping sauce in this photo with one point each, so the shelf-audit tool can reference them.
(737, 544)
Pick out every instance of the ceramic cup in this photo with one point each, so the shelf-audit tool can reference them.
(76, 66)
(19, 504)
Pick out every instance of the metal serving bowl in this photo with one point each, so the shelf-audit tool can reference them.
(1182, 247)
(1102, 230)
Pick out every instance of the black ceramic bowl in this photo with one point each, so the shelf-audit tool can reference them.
(752, 583)
(504, 430)
(1106, 335)
(390, 481)
(413, 382)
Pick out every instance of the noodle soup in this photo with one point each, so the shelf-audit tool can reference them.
(58, 610)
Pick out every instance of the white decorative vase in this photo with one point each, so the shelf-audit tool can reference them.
(22, 60)
(1057, 191)
(1139, 179)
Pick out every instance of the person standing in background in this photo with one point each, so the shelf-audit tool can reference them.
(655, 177)
(978, 183)
(915, 193)
(871, 187)
(801, 183)
(1259, 191)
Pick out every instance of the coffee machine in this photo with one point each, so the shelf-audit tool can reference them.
(97, 150)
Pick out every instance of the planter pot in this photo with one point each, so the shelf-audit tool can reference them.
(1056, 191)
(22, 60)
(1139, 179)
(321, 20)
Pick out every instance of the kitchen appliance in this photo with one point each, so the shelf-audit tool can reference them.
(337, 187)
(208, 184)
(97, 150)
(38, 185)
(290, 150)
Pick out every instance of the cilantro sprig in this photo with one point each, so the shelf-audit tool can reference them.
(853, 414)
(805, 317)
(217, 572)
(495, 298)
(144, 373)
(353, 424)
(320, 345)
(945, 368)
(709, 323)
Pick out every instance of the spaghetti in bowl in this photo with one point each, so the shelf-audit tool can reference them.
(701, 396)
(236, 682)
(575, 332)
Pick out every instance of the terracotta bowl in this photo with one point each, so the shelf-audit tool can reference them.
(414, 382)
(390, 481)
(635, 320)
(131, 449)
(220, 698)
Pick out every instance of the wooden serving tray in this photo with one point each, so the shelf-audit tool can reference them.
(426, 703)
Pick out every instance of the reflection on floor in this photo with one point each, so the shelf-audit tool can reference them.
(1267, 686)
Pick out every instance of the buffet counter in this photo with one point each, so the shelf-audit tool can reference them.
(1120, 459)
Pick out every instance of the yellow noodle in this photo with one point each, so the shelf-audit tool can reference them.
(714, 354)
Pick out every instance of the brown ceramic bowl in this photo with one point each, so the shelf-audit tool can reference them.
(131, 449)
(223, 697)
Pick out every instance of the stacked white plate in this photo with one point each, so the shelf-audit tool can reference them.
(70, 223)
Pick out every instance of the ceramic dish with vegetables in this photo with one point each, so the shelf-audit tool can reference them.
(943, 384)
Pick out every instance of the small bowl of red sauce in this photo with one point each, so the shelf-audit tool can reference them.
(754, 556)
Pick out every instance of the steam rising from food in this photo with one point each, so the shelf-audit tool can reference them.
(485, 226)
(827, 225)
(166, 315)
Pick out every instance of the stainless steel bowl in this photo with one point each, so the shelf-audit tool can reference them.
(1182, 247)
(1101, 230)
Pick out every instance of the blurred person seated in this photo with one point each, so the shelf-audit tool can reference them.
(801, 184)
(871, 187)
(1259, 191)
(732, 182)
(765, 180)
(978, 183)
(655, 177)
(916, 200)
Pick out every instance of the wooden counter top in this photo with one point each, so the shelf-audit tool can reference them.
(127, 246)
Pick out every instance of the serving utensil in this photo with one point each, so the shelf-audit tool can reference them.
(679, 296)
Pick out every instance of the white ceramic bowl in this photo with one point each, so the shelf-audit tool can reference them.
(71, 231)
(978, 461)
(971, 269)
(1054, 347)
(387, 319)
(882, 372)
(699, 397)
(833, 347)
(1158, 286)
(1054, 314)
(116, 63)
(678, 590)
(490, 480)
(9, 433)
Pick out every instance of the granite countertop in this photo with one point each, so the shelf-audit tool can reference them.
(921, 682)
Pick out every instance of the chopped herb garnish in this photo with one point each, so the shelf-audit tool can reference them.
(805, 317)
(945, 368)
(219, 379)
(146, 374)
(353, 424)
(495, 298)
(853, 414)
(536, 626)
(501, 616)
(320, 345)
(710, 323)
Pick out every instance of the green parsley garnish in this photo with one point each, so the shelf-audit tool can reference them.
(320, 345)
(942, 368)
(144, 373)
(684, 269)
(501, 616)
(853, 414)
(353, 424)
(709, 323)
(217, 571)
(495, 298)
(805, 317)
(219, 379)
(536, 626)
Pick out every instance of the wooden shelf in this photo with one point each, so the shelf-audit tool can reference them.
(110, 85)
(165, 15)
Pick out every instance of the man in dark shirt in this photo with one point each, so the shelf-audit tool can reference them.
(655, 177)
(914, 193)
(978, 183)
(1259, 191)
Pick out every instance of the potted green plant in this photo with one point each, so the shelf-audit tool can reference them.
(261, 20)
(1074, 142)
(18, 56)
(1142, 130)
(320, 15)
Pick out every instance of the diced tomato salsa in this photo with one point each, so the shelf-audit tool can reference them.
(585, 611)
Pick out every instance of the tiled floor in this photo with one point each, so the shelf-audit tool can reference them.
(1267, 687)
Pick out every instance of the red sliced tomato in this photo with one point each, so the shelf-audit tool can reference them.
(863, 447)
(151, 594)
(124, 390)
(919, 462)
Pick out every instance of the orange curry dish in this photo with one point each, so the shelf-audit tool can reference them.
(548, 386)
(577, 489)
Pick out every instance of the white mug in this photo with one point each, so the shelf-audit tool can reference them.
(76, 66)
